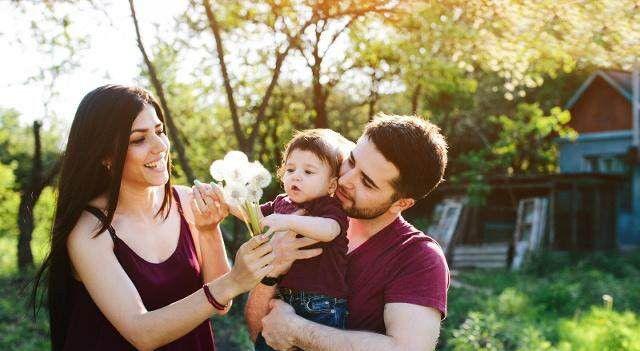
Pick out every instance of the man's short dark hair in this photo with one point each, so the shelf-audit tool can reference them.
(415, 146)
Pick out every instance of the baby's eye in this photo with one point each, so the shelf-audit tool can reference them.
(160, 131)
(308, 172)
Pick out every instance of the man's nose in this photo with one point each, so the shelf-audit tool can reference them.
(346, 179)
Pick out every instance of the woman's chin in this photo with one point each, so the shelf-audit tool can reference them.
(157, 179)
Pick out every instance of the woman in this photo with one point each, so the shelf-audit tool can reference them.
(128, 256)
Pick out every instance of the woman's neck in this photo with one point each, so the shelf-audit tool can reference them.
(141, 202)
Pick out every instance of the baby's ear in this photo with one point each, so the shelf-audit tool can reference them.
(333, 185)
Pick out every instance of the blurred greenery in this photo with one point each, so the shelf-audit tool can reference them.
(555, 303)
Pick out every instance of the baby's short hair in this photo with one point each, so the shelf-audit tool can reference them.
(326, 144)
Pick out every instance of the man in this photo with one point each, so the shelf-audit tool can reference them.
(397, 276)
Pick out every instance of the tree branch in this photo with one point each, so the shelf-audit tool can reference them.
(233, 108)
(157, 85)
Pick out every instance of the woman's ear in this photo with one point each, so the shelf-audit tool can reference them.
(107, 164)
(333, 185)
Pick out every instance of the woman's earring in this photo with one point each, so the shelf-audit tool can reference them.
(107, 165)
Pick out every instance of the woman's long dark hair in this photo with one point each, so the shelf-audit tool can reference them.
(100, 131)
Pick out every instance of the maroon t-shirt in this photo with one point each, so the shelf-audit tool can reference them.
(398, 264)
(323, 274)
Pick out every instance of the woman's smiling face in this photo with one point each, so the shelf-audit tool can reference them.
(148, 151)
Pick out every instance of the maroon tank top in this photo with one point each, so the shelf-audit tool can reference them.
(159, 284)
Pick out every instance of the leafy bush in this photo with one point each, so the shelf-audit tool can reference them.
(601, 329)
(553, 304)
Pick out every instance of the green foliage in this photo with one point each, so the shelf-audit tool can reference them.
(554, 309)
(9, 200)
(601, 329)
(524, 144)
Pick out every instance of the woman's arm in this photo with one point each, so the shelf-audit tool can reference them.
(317, 228)
(206, 233)
(116, 296)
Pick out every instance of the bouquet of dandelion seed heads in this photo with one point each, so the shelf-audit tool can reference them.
(242, 183)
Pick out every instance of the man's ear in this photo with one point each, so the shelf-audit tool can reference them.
(333, 185)
(402, 204)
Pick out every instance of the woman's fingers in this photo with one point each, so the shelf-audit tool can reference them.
(304, 254)
(262, 250)
(304, 241)
(202, 206)
(262, 272)
(266, 259)
(256, 241)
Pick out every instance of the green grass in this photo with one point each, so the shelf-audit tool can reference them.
(551, 305)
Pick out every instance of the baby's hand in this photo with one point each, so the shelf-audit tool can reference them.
(275, 223)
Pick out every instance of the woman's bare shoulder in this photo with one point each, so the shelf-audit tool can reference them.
(85, 230)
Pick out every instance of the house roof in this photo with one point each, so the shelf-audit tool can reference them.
(619, 80)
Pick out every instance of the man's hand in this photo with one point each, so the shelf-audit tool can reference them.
(277, 325)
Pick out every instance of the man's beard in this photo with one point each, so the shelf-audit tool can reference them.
(367, 213)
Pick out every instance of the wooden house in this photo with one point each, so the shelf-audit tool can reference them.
(592, 204)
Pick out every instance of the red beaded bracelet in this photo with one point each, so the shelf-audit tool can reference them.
(212, 300)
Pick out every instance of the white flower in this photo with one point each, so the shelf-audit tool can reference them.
(236, 173)
(218, 169)
(236, 157)
(235, 193)
(260, 177)
(254, 194)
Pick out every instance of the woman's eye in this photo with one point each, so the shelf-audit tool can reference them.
(364, 182)
(137, 141)
(289, 170)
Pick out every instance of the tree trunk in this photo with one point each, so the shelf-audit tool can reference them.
(373, 95)
(25, 226)
(415, 99)
(29, 197)
(319, 95)
(246, 143)
(157, 86)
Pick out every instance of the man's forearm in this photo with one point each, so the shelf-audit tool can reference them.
(316, 337)
(257, 307)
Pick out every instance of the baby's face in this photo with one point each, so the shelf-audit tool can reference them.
(307, 177)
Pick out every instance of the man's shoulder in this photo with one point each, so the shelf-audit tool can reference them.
(412, 237)
(415, 245)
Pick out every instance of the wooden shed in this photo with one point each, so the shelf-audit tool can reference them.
(567, 212)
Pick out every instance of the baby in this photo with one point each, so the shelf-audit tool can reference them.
(315, 287)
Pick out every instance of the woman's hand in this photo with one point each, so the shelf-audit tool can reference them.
(288, 248)
(254, 261)
(207, 206)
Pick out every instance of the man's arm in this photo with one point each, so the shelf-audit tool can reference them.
(287, 249)
(257, 307)
(409, 327)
